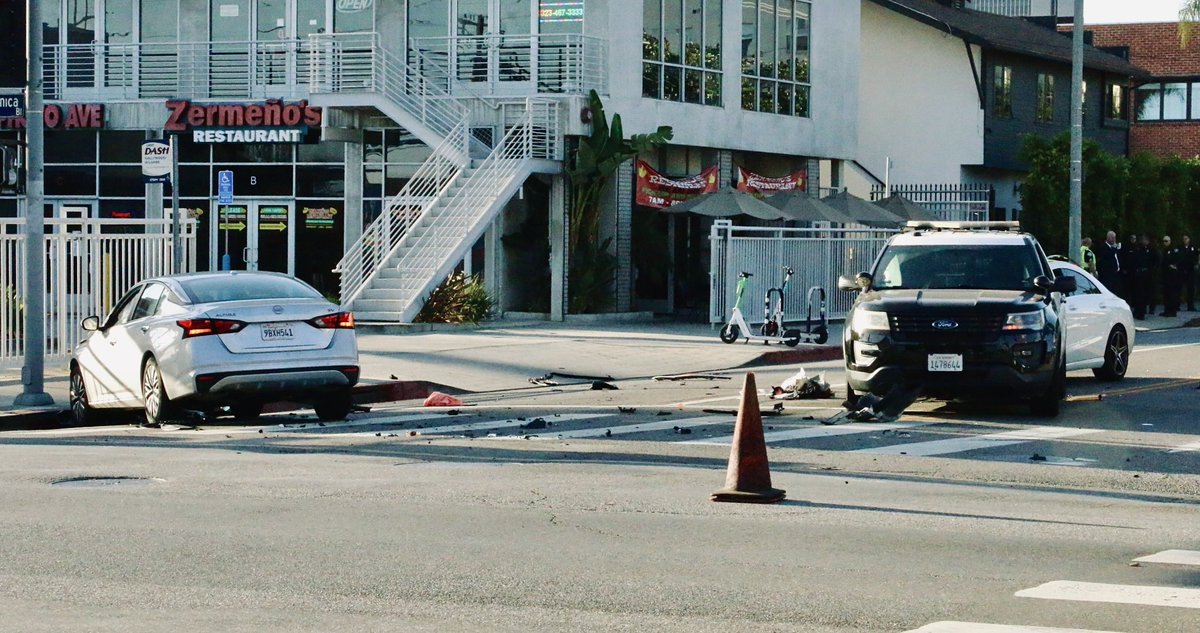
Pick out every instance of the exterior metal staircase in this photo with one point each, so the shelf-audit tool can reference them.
(426, 228)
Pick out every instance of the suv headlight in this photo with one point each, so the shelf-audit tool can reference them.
(1026, 321)
(868, 320)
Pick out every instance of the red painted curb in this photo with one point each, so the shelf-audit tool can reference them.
(793, 356)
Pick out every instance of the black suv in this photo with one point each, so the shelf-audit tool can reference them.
(959, 313)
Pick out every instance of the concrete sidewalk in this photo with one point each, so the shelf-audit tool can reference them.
(501, 356)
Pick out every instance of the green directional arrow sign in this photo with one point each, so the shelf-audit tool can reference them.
(233, 226)
(273, 226)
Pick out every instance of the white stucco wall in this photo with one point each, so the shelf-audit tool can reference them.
(919, 102)
(829, 133)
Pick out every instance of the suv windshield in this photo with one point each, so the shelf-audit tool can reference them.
(982, 267)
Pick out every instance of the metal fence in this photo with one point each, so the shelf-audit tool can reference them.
(89, 265)
(952, 202)
(819, 256)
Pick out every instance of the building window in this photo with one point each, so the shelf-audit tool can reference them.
(681, 50)
(1002, 92)
(1148, 102)
(1045, 98)
(1175, 101)
(1116, 102)
(776, 56)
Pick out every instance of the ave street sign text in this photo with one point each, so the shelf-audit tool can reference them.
(225, 187)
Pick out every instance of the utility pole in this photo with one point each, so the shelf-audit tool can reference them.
(1075, 220)
(32, 372)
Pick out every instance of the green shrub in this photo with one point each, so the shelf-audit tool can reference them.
(460, 299)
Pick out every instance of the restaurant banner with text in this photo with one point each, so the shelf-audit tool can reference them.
(659, 192)
(751, 182)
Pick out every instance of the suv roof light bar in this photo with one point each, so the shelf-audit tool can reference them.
(925, 225)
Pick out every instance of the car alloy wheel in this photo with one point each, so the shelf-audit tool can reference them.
(1116, 356)
(82, 413)
(154, 395)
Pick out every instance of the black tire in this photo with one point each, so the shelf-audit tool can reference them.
(335, 406)
(82, 413)
(769, 329)
(851, 403)
(155, 401)
(1116, 356)
(1049, 403)
(791, 338)
(822, 333)
(730, 333)
(246, 411)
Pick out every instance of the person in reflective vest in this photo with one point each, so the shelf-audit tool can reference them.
(1087, 259)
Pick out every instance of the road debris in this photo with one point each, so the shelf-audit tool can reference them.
(690, 377)
(627, 409)
(600, 385)
(439, 399)
(536, 423)
(802, 387)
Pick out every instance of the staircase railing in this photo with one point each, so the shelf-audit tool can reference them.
(363, 261)
(356, 63)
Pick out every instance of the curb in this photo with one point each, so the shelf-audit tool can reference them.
(793, 356)
(388, 391)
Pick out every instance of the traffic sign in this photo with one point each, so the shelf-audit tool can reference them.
(225, 187)
(11, 106)
(156, 162)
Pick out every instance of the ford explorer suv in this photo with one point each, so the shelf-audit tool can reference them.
(959, 310)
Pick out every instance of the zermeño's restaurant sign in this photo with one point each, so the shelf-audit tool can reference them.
(271, 121)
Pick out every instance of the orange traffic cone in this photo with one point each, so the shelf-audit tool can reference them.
(748, 479)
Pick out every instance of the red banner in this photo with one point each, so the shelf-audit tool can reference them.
(753, 183)
(659, 192)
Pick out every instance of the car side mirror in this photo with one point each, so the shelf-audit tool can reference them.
(859, 282)
(91, 324)
(1066, 284)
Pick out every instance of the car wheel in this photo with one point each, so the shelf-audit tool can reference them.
(246, 410)
(1116, 356)
(154, 394)
(82, 413)
(730, 333)
(1049, 403)
(851, 403)
(334, 406)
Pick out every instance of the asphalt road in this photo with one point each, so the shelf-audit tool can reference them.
(596, 518)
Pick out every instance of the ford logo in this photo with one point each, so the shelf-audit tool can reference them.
(945, 324)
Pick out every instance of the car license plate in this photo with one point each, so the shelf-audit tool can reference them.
(945, 362)
(276, 331)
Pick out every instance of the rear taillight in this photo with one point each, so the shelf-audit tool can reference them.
(340, 320)
(205, 327)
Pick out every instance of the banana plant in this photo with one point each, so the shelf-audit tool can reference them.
(597, 158)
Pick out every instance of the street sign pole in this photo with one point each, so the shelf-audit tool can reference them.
(1075, 220)
(225, 198)
(176, 242)
(32, 372)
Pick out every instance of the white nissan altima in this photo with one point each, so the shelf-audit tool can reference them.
(210, 340)
(1100, 329)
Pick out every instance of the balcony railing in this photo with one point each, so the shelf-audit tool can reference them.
(501, 65)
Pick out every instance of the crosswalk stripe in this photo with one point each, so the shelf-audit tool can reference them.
(810, 432)
(334, 427)
(482, 425)
(992, 440)
(1172, 557)
(628, 429)
(975, 627)
(1120, 594)
(1186, 448)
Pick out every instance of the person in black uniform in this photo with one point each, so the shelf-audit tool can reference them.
(1108, 264)
(1141, 270)
(1126, 256)
(1172, 277)
(1190, 263)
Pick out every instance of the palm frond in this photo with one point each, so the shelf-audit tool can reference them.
(1189, 15)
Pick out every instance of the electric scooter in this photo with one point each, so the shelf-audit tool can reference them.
(816, 331)
(772, 329)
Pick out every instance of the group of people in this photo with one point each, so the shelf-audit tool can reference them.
(1135, 269)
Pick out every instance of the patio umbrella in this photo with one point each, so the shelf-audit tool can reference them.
(862, 211)
(905, 208)
(726, 204)
(803, 207)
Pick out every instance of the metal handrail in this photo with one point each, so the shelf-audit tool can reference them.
(519, 64)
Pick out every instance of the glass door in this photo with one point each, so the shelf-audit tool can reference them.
(229, 238)
(493, 44)
(255, 235)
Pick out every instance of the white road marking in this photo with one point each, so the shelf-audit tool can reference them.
(1160, 348)
(992, 440)
(1118, 594)
(1172, 557)
(334, 427)
(809, 432)
(1186, 448)
(975, 627)
(480, 425)
(605, 431)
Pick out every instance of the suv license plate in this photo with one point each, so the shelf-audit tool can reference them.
(276, 331)
(945, 362)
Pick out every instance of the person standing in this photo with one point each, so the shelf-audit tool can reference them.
(1171, 267)
(1141, 277)
(1191, 262)
(1127, 255)
(1108, 264)
(1087, 258)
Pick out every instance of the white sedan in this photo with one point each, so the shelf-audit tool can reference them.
(1100, 328)
(211, 340)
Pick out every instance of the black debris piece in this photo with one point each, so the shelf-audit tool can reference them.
(600, 385)
(453, 412)
(394, 377)
(1037, 458)
(684, 431)
(664, 413)
(536, 423)
(627, 409)
(608, 433)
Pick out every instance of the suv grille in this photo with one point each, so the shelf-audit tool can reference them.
(920, 327)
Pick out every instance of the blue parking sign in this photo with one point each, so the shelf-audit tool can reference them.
(225, 187)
